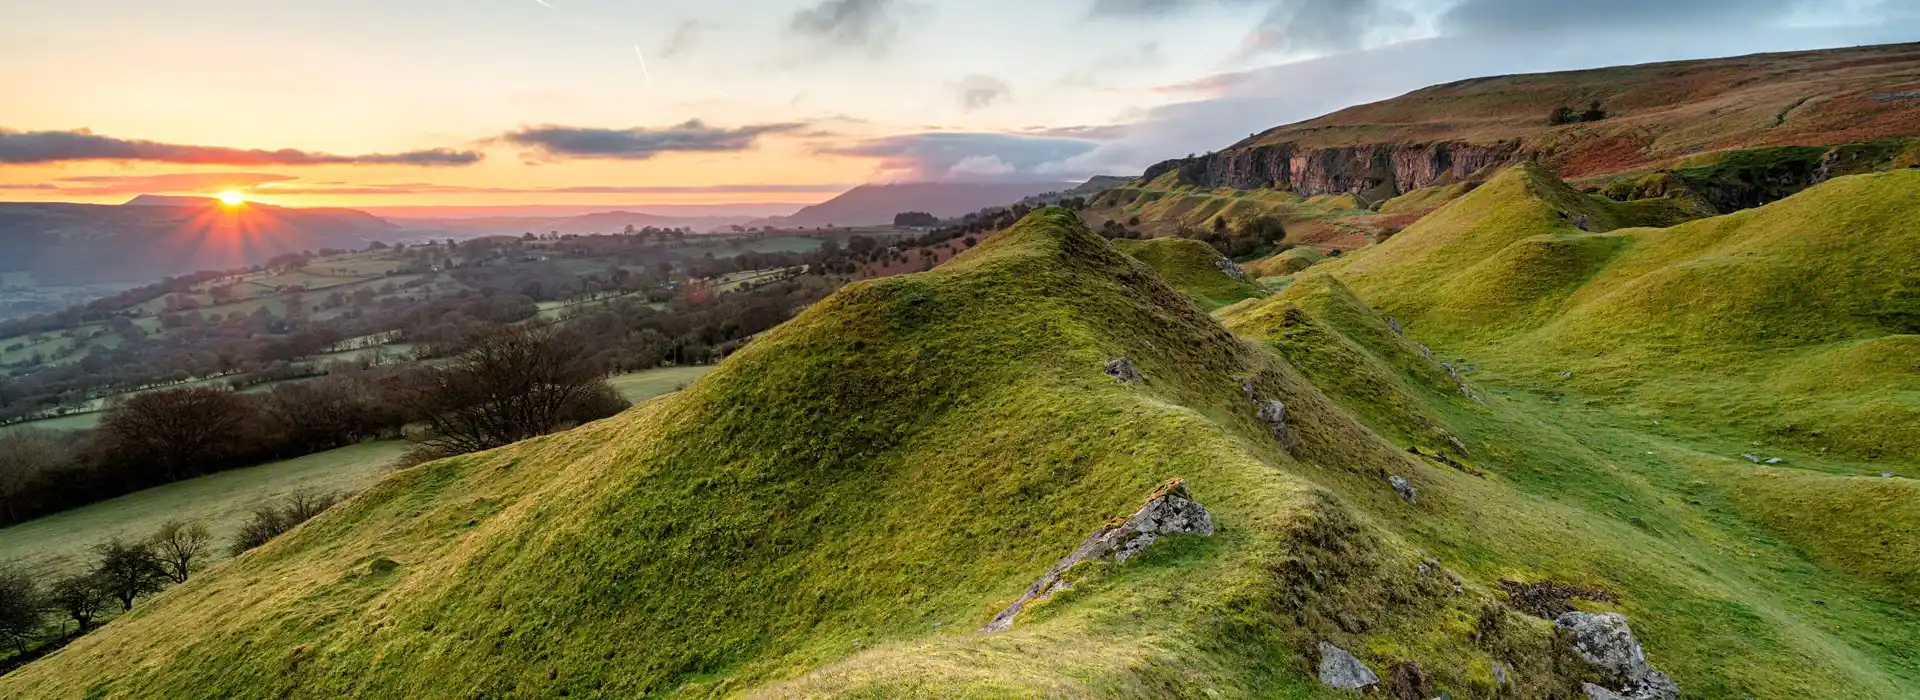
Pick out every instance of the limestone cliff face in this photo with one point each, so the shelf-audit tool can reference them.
(1373, 171)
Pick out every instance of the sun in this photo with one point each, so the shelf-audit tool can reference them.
(232, 198)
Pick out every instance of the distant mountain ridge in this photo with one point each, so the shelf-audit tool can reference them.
(153, 236)
(871, 205)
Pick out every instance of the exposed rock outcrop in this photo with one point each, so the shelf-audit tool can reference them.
(1374, 171)
(1231, 269)
(1274, 414)
(1122, 369)
(1170, 510)
(1340, 669)
(1605, 642)
(1405, 488)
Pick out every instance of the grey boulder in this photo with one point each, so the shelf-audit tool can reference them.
(1605, 641)
(1339, 669)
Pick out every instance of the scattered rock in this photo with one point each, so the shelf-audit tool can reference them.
(1751, 458)
(1499, 673)
(1566, 375)
(1886, 475)
(1123, 370)
(1171, 509)
(1340, 669)
(1393, 324)
(1231, 269)
(1458, 444)
(1605, 641)
(1246, 387)
(1774, 460)
(1274, 414)
(1425, 351)
(1405, 488)
(1427, 567)
(1581, 222)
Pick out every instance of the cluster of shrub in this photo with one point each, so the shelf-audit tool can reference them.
(1250, 237)
(1568, 115)
(123, 571)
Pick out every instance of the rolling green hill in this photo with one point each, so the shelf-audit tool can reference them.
(842, 506)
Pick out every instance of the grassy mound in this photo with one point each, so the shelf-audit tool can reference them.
(1192, 267)
(1287, 262)
(836, 510)
(1745, 305)
(839, 508)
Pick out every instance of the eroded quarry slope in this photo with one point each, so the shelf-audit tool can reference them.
(844, 505)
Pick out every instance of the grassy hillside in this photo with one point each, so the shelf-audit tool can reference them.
(1192, 267)
(1811, 297)
(838, 508)
(1657, 112)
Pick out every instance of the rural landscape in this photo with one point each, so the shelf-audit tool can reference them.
(1596, 381)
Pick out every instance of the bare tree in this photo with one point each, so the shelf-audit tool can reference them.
(511, 385)
(80, 596)
(178, 546)
(25, 455)
(127, 571)
(20, 608)
(177, 431)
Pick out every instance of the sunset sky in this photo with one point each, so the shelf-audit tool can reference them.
(636, 102)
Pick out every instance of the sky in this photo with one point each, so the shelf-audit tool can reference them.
(723, 102)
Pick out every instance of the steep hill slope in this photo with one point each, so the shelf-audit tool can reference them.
(1656, 114)
(840, 509)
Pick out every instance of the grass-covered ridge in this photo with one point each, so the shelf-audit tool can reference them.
(1802, 298)
(837, 509)
(1192, 267)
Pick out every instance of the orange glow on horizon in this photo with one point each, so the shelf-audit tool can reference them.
(232, 198)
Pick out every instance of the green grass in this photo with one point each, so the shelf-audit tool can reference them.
(837, 508)
(1192, 267)
(59, 543)
(639, 387)
(1284, 263)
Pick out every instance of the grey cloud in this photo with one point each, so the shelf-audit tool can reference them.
(1143, 56)
(965, 156)
(869, 24)
(83, 145)
(1320, 25)
(640, 143)
(1157, 7)
(1505, 16)
(981, 91)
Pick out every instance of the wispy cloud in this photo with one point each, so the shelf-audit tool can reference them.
(864, 24)
(31, 147)
(640, 143)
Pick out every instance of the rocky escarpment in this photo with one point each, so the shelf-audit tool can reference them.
(1373, 172)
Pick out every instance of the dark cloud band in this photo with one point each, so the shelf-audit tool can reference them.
(32, 147)
(694, 136)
